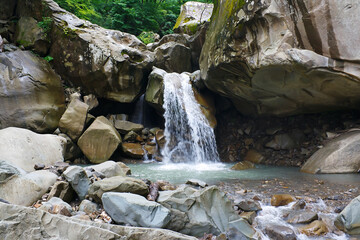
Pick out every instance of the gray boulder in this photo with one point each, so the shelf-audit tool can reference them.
(117, 184)
(108, 168)
(339, 155)
(135, 210)
(7, 171)
(55, 202)
(78, 180)
(88, 206)
(23, 148)
(27, 189)
(31, 95)
(349, 219)
(17, 222)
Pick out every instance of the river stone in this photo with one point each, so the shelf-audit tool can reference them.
(99, 141)
(339, 155)
(88, 206)
(109, 169)
(173, 57)
(17, 222)
(31, 36)
(72, 121)
(249, 205)
(131, 137)
(125, 126)
(128, 208)
(117, 184)
(316, 228)
(254, 156)
(208, 210)
(283, 57)
(248, 216)
(55, 202)
(349, 218)
(31, 93)
(23, 148)
(192, 15)
(91, 101)
(280, 232)
(281, 199)
(243, 165)
(124, 168)
(133, 150)
(7, 171)
(299, 217)
(71, 150)
(107, 63)
(62, 190)
(27, 189)
(78, 180)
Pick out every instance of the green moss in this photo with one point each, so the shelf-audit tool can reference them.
(179, 20)
(191, 28)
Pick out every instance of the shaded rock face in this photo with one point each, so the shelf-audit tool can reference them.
(7, 8)
(31, 94)
(283, 57)
(23, 148)
(339, 155)
(110, 64)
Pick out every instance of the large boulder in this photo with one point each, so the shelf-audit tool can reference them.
(349, 219)
(28, 188)
(23, 148)
(339, 155)
(192, 15)
(108, 63)
(99, 141)
(283, 57)
(135, 210)
(17, 222)
(31, 94)
(117, 184)
(173, 57)
(73, 120)
(204, 211)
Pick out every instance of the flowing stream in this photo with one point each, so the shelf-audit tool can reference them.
(189, 137)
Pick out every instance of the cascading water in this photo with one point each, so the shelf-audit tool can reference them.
(189, 137)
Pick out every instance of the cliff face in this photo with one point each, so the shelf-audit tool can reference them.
(275, 57)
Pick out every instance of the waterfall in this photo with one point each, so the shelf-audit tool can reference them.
(189, 137)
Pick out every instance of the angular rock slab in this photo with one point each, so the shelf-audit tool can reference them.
(339, 155)
(27, 189)
(118, 184)
(109, 169)
(78, 180)
(31, 93)
(110, 64)
(349, 219)
(72, 121)
(23, 148)
(99, 141)
(283, 58)
(135, 210)
(17, 222)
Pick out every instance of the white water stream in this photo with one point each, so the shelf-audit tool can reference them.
(189, 137)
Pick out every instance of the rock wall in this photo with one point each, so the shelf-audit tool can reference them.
(276, 57)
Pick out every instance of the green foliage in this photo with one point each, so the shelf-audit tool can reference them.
(147, 37)
(132, 16)
(48, 58)
(45, 24)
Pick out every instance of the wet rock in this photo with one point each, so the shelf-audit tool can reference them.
(299, 217)
(33, 222)
(243, 165)
(117, 184)
(135, 210)
(62, 190)
(263, 79)
(249, 205)
(114, 117)
(125, 126)
(78, 180)
(131, 137)
(109, 169)
(339, 155)
(165, 186)
(88, 206)
(39, 166)
(133, 150)
(196, 183)
(99, 141)
(173, 57)
(32, 96)
(28, 188)
(281, 199)
(207, 105)
(254, 156)
(155, 91)
(160, 138)
(349, 218)
(124, 168)
(72, 121)
(248, 216)
(23, 148)
(281, 142)
(192, 15)
(316, 228)
(300, 204)
(280, 232)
